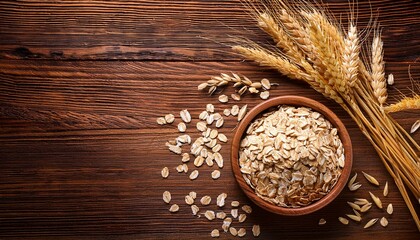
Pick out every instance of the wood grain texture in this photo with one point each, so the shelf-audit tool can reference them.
(80, 150)
(167, 30)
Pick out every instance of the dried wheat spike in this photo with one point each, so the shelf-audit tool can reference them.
(264, 58)
(351, 56)
(296, 32)
(328, 59)
(280, 37)
(406, 103)
(378, 71)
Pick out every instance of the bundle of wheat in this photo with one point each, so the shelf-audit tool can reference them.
(312, 47)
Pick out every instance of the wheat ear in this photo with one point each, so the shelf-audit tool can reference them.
(351, 56)
(407, 103)
(280, 37)
(296, 32)
(327, 62)
(265, 58)
(378, 73)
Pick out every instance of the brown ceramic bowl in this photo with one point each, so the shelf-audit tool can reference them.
(293, 101)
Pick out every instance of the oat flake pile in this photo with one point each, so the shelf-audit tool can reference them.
(292, 156)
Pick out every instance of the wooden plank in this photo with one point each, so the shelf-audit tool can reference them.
(168, 30)
(81, 154)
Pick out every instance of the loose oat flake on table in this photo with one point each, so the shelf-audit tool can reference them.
(291, 156)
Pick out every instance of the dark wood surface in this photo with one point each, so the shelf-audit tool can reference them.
(82, 83)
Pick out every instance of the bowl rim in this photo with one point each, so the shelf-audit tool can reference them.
(293, 101)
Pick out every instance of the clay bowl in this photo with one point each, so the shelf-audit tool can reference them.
(293, 101)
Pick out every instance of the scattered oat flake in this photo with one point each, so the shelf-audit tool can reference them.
(215, 174)
(234, 212)
(210, 108)
(161, 121)
(193, 194)
(322, 221)
(203, 115)
(201, 126)
(264, 95)
(185, 168)
(256, 230)
(221, 199)
(371, 223)
(185, 157)
(384, 222)
(169, 118)
(167, 196)
(189, 200)
(234, 204)
(242, 217)
(226, 112)
(205, 200)
(185, 116)
(194, 175)
(182, 127)
(210, 215)
(344, 221)
(215, 233)
(241, 232)
(179, 168)
(371, 179)
(222, 137)
(223, 98)
(390, 209)
(165, 172)
(233, 231)
(235, 110)
(174, 208)
(221, 215)
(247, 209)
(195, 209)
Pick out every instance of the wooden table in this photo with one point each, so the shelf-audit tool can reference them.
(81, 86)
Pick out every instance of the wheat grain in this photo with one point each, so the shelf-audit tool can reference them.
(344, 221)
(415, 126)
(385, 192)
(371, 179)
(376, 200)
(371, 223)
